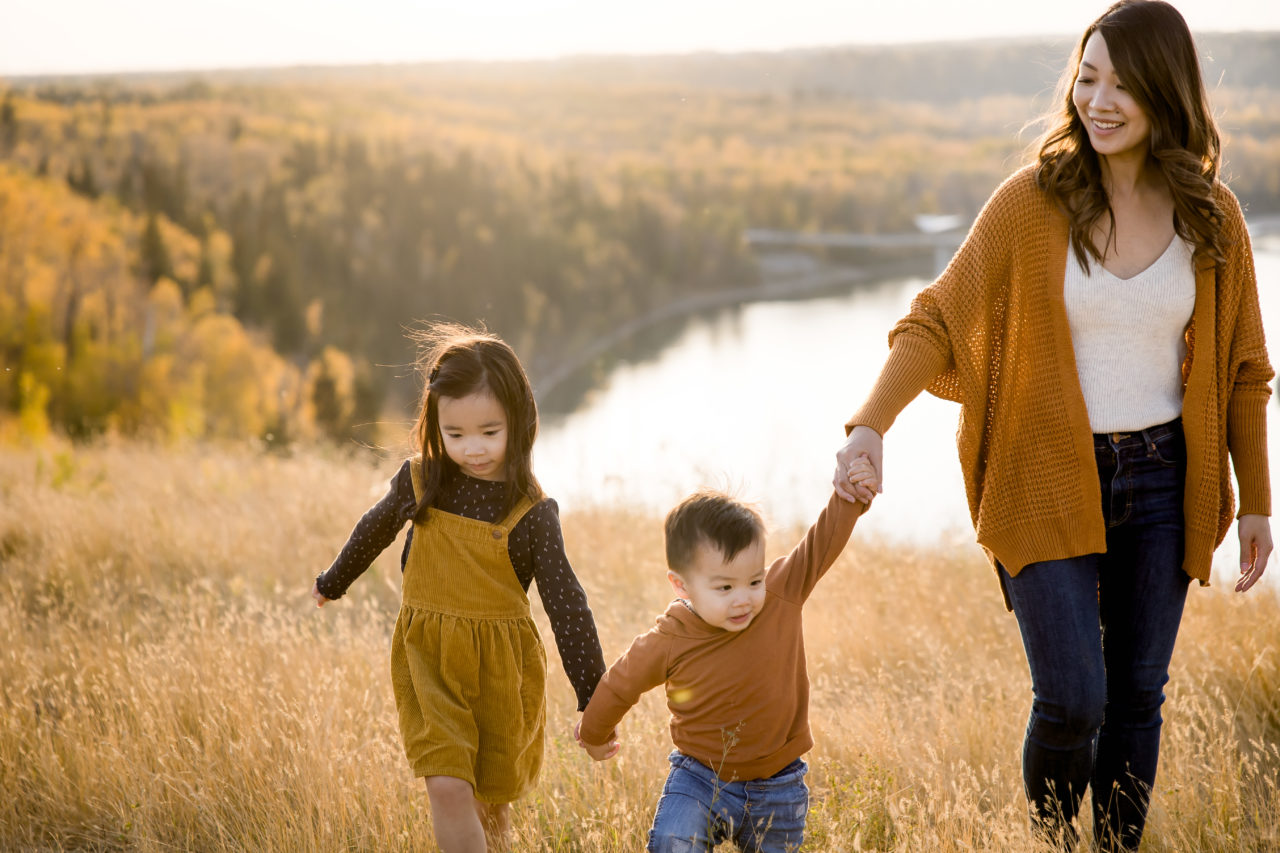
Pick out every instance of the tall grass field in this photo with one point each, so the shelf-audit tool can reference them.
(167, 683)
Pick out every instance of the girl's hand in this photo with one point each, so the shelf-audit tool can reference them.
(1255, 548)
(321, 601)
(862, 440)
(600, 753)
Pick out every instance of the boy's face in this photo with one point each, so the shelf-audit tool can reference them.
(724, 593)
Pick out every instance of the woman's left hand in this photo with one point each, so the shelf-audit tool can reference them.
(1255, 548)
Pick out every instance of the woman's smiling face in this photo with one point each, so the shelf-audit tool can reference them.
(1116, 124)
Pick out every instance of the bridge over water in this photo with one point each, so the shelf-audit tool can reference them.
(787, 272)
(940, 235)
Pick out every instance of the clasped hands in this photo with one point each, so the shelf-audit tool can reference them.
(604, 751)
(859, 474)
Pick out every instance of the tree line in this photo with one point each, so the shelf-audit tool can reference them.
(241, 255)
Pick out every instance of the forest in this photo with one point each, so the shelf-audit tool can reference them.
(241, 254)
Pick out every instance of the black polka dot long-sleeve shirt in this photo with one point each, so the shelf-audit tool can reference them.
(535, 545)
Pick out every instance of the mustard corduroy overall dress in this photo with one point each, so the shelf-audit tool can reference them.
(467, 663)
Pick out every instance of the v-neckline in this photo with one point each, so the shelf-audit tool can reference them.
(1148, 267)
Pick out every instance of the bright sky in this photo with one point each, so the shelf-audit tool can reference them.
(68, 36)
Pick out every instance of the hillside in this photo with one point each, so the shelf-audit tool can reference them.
(168, 682)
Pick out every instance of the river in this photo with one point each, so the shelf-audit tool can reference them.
(753, 399)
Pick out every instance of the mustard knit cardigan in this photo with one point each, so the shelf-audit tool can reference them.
(991, 334)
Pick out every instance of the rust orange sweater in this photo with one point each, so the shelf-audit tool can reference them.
(991, 333)
(739, 700)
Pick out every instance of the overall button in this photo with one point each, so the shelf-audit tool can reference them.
(497, 534)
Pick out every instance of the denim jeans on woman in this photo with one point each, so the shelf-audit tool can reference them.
(697, 810)
(1099, 631)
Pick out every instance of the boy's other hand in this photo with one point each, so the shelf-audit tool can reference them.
(321, 601)
(603, 752)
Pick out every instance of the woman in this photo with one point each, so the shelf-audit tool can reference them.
(1100, 329)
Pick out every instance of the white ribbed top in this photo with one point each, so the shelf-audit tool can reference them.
(1129, 338)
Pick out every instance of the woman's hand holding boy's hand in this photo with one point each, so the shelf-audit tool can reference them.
(850, 482)
(321, 601)
(600, 753)
(861, 479)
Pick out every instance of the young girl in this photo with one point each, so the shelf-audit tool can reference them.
(467, 663)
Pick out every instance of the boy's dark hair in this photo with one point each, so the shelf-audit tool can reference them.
(712, 518)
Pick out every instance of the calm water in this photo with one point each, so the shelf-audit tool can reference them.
(754, 400)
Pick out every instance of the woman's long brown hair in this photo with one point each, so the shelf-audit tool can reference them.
(458, 361)
(1155, 57)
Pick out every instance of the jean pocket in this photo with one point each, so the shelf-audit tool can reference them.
(792, 774)
(1168, 449)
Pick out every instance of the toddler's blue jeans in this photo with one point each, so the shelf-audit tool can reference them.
(697, 810)
(1099, 631)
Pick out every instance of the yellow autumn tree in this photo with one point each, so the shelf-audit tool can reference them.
(89, 348)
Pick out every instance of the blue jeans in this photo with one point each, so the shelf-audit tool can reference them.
(1099, 631)
(697, 810)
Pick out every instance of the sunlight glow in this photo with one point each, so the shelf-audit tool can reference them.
(71, 36)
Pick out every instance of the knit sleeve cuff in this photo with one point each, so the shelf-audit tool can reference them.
(326, 589)
(1247, 440)
(912, 364)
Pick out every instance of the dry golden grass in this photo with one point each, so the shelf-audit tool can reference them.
(168, 684)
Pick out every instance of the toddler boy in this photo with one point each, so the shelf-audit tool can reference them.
(730, 650)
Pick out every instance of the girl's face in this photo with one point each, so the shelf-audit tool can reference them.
(1116, 125)
(474, 431)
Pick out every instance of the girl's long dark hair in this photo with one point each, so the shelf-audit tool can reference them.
(1155, 57)
(458, 361)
